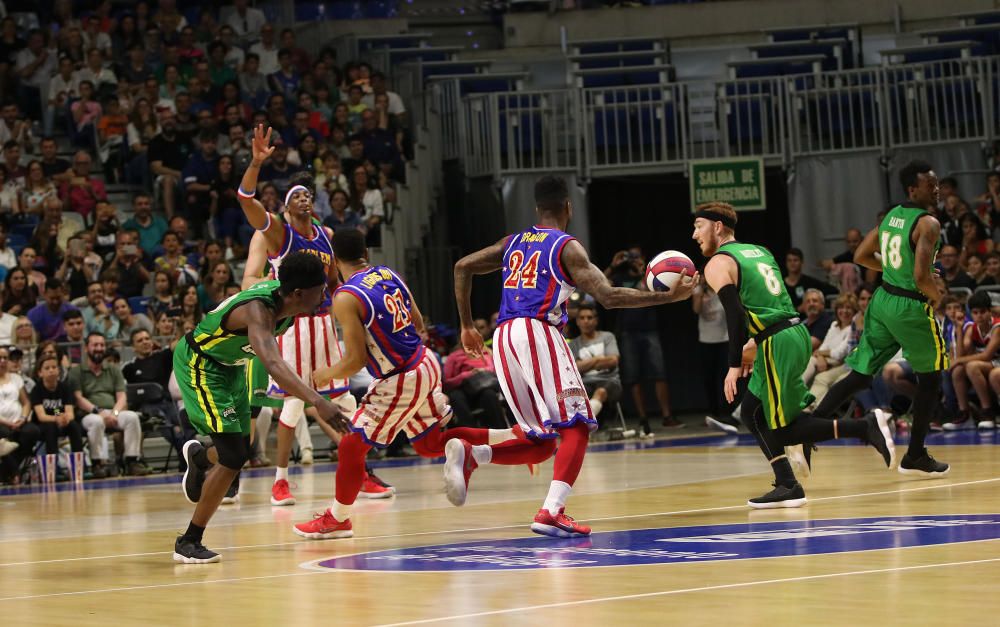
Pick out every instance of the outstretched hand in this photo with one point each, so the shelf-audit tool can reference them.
(684, 288)
(261, 147)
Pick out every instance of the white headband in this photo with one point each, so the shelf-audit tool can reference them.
(295, 188)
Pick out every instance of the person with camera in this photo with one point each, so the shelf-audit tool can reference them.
(74, 271)
(639, 338)
(132, 275)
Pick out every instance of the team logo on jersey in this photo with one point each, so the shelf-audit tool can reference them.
(669, 545)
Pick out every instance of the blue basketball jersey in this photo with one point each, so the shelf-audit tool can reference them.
(317, 243)
(391, 339)
(534, 282)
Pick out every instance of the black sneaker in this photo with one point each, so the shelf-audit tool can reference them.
(233, 493)
(375, 479)
(194, 476)
(924, 466)
(726, 424)
(189, 551)
(780, 496)
(880, 437)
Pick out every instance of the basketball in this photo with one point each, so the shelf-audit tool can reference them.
(666, 269)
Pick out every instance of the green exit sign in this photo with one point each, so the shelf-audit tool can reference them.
(739, 182)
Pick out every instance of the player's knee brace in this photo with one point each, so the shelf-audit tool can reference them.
(232, 450)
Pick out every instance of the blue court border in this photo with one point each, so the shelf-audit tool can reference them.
(956, 438)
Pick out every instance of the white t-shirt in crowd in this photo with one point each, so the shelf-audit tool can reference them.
(10, 398)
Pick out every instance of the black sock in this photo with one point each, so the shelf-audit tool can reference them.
(194, 532)
(924, 403)
(807, 429)
(783, 474)
(841, 391)
(131, 460)
(201, 458)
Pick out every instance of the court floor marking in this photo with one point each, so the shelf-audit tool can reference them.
(646, 595)
(521, 525)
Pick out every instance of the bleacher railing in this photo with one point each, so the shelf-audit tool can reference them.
(630, 129)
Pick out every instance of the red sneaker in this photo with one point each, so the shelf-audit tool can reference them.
(558, 526)
(280, 494)
(370, 489)
(458, 467)
(324, 527)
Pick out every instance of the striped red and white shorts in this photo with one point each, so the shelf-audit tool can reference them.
(310, 343)
(539, 377)
(411, 402)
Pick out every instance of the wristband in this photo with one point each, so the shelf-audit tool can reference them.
(243, 194)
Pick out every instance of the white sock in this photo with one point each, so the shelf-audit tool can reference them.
(482, 453)
(595, 406)
(281, 473)
(496, 436)
(340, 511)
(556, 499)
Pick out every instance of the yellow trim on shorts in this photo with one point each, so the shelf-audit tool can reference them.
(203, 394)
(940, 356)
(779, 410)
(755, 322)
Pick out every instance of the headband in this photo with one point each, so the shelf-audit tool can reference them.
(717, 217)
(295, 188)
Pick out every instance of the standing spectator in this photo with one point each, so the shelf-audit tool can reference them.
(85, 112)
(596, 354)
(248, 23)
(52, 400)
(366, 201)
(15, 420)
(951, 272)
(168, 154)
(47, 317)
(234, 53)
(252, 82)
(99, 391)
(713, 336)
(227, 217)
(104, 81)
(641, 351)
(96, 39)
(380, 145)
(62, 89)
(150, 227)
(818, 320)
(266, 50)
(198, 174)
(128, 321)
(34, 65)
(155, 365)
(797, 283)
(82, 193)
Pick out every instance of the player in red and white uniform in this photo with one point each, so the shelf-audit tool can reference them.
(978, 358)
(311, 343)
(541, 267)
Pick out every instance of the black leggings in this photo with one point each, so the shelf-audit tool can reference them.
(805, 429)
(51, 432)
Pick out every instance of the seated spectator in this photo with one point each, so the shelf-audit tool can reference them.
(168, 153)
(953, 330)
(46, 239)
(49, 348)
(63, 88)
(797, 283)
(380, 145)
(164, 298)
(102, 79)
(356, 154)
(338, 142)
(7, 321)
(189, 244)
(213, 254)
(19, 295)
(132, 275)
(12, 160)
(174, 261)
(47, 317)
(85, 111)
(191, 311)
(55, 168)
(278, 170)
(153, 364)
(355, 107)
(974, 365)
(596, 354)
(52, 401)
(25, 336)
(15, 420)
(186, 117)
(14, 126)
(989, 201)
(315, 119)
(81, 192)
(991, 270)
(99, 391)
(8, 258)
(26, 261)
(136, 69)
(219, 70)
(253, 84)
(395, 106)
(231, 113)
(953, 208)
(239, 148)
(341, 216)
(129, 321)
(828, 359)
(975, 238)
(151, 227)
(227, 217)
(951, 272)
(235, 56)
(470, 383)
(213, 290)
(853, 240)
(366, 201)
(34, 65)
(818, 320)
(199, 172)
(10, 196)
(97, 313)
(208, 125)
(74, 334)
(37, 189)
(112, 127)
(286, 79)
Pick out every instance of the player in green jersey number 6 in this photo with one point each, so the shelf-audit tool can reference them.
(901, 312)
(209, 364)
(747, 279)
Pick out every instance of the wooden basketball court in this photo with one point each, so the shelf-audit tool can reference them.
(102, 555)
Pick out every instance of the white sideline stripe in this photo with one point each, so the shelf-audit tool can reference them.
(520, 525)
(727, 586)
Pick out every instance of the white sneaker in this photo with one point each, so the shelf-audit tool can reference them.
(970, 423)
(7, 447)
(307, 457)
(231, 500)
(986, 424)
(797, 458)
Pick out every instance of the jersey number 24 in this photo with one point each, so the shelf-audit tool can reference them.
(522, 274)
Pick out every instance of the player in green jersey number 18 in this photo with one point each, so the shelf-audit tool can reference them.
(209, 364)
(748, 281)
(901, 313)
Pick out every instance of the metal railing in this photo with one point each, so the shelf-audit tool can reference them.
(629, 129)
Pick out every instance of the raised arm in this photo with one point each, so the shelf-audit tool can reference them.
(483, 261)
(591, 280)
(928, 232)
(865, 253)
(256, 214)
